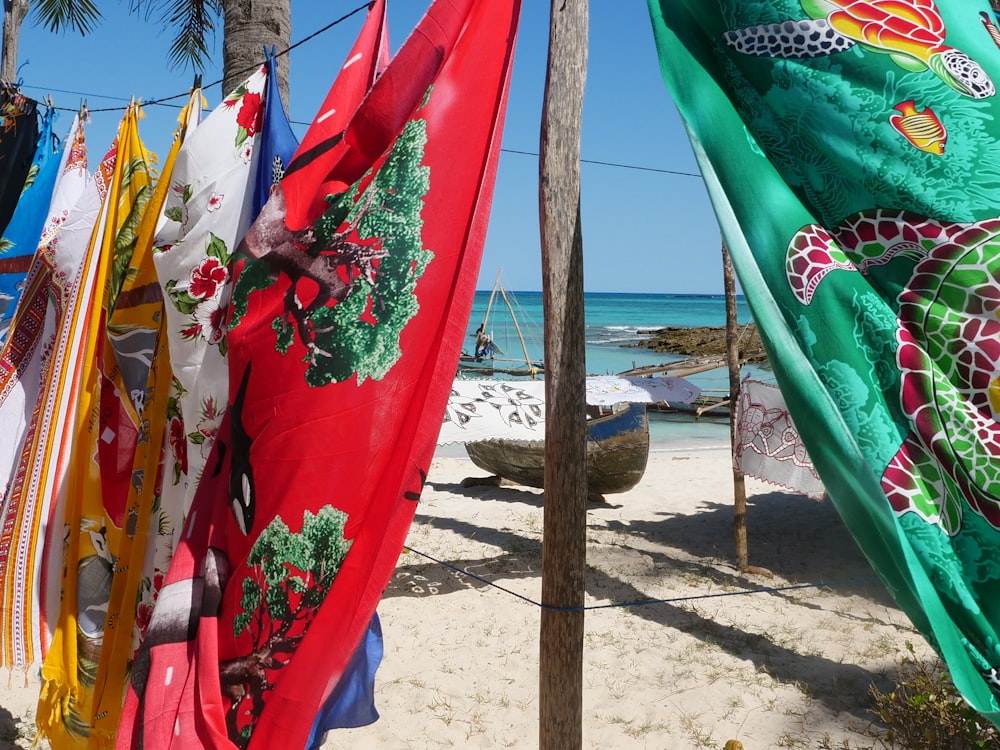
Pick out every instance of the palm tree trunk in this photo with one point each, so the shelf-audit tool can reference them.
(249, 26)
(14, 12)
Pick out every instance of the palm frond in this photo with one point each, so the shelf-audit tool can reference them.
(193, 23)
(59, 15)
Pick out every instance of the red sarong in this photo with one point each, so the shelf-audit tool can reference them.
(343, 345)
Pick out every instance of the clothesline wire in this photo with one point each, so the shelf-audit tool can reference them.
(642, 602)
(163, 100)
(613, 164)
(519, 152)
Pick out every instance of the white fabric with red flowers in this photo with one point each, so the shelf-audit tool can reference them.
(768, 446)
(206, 214)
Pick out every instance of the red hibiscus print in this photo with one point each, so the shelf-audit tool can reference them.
(250, 113)
(207, 278)
(178, 442)
(143, 616)
(213, 316)
(213, 323)
(215, 202)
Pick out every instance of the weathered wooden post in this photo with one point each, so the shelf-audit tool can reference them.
(564, 534)
(733, 356)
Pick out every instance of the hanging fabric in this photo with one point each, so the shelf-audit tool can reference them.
(277, 141)
(19, 133)
(352, 702)
(99, 471)
(31, 216)
(20, 238)
(767, 445)
(206, 213)
(343, 345)
(25, 367)
(848, 152)
(317, 155)
(136, 382)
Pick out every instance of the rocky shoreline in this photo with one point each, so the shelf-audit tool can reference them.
(702, 341)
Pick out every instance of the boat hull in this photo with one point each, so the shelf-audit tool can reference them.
(617, 452)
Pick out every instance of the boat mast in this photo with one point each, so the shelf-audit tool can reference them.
(520, 336)
(489, 304)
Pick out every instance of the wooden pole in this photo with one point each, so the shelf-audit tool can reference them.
(564, 539)
(733, 355)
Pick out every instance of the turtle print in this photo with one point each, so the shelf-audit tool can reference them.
(911, 32)
(948, 350)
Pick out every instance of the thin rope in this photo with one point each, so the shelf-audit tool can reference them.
(614, 164)
(164, 101)
(644, 602)
(248, 70)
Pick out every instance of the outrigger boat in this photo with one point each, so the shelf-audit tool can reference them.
(488, 358)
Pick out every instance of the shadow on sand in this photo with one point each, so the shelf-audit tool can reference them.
(799, 540)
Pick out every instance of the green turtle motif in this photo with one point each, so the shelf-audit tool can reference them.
(948, 350)
(911, 32)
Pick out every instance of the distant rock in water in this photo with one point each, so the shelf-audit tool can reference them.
(702, 340)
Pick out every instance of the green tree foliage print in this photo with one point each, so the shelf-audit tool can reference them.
(372, 236)
(291, 574)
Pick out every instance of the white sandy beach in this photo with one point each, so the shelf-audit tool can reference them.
(772, 668)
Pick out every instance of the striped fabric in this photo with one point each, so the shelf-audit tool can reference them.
(38, 367)
(98, 534)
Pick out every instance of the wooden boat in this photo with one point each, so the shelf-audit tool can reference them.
(707, 405)
(487, 358)
(617, 451)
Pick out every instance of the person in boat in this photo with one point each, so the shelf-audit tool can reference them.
(484, 346)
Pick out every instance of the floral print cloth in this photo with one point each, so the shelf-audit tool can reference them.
(207, 211)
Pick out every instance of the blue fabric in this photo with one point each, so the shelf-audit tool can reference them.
(25, 227)
(352, 703)
(277, 143)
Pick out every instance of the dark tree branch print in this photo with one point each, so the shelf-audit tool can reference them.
(292, 574)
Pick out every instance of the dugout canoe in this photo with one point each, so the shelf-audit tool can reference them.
(617, 451)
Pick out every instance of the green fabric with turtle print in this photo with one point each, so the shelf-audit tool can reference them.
(851, 149)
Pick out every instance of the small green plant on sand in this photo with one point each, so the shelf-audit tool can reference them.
(925, 711)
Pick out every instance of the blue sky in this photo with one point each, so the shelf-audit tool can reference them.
(643, 230)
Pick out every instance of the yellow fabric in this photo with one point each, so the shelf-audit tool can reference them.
(85, 672)
(66, 699)
(42, 470)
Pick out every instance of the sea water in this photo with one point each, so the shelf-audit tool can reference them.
(615, 323)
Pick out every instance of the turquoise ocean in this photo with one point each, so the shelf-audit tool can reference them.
(615, 323)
